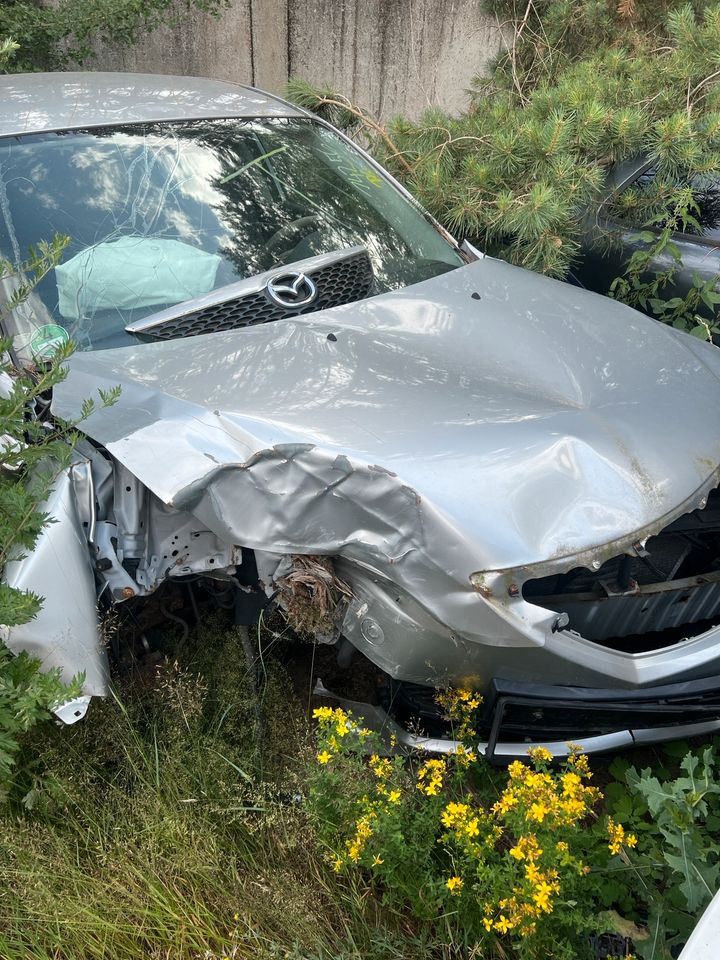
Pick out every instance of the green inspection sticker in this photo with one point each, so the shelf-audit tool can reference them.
(47, 340)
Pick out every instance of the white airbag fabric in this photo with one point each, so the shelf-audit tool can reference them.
(133, 272)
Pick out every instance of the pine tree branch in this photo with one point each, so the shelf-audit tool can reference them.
(344, 104)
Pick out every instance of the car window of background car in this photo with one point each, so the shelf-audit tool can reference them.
(647, 198)
(160, 213)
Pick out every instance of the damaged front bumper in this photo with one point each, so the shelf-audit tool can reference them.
(519, 716)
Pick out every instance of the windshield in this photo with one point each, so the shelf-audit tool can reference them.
(161, 213)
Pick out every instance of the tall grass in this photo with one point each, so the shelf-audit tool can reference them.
(156, 837)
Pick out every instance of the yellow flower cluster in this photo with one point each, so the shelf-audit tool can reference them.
(471, 827)
(460, 706)
(455, 885)
(464, 756)
(531, 898)
(540, 796)
(539, 755)
(334, 724)
(537, 799)
(430, 777)
(380, 766)
(618, 838)
(363, 832)
(371, 808)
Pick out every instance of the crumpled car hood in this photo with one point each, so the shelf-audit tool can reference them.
(514, 417)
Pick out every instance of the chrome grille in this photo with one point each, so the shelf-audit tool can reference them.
(343, 281)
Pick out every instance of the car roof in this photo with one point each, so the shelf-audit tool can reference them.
(37, 102)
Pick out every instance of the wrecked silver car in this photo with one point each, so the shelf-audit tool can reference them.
(481, 476)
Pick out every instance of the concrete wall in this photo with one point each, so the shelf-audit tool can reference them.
(390, 56)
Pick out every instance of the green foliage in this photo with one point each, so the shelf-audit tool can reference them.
(33, 450)
(160, 839)
(8, 48)
(668, 880)
(680, 809)
(582, 85)
(53, 36)
(546, 35)
(500, 862)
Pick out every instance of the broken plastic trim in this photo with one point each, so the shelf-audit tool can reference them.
(72, 710)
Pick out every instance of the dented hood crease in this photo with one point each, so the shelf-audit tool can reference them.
(438, 434)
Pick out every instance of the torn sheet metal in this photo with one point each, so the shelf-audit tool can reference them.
(444, 443)
(65, 633)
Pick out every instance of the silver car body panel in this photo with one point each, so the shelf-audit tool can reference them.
(43, 102)
(65, 634)
(443, 447)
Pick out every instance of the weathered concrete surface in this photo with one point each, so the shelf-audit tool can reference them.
(390, 56)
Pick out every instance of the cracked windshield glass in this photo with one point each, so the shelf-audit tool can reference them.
(159, 214)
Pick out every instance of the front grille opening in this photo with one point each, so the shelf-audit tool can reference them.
(636, 604)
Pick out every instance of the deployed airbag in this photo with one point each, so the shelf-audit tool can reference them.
(133, 272)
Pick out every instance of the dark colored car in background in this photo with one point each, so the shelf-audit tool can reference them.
(613, 234)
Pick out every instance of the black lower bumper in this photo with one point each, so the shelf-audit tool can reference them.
(537, 712)
(523, 713)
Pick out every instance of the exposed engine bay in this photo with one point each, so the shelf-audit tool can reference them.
(668, 591)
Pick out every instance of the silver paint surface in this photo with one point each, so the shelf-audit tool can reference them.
(65, 633)
(38, 102)
(441, 446)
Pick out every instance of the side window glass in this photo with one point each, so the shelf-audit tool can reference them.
(648, 200)
(706, 190)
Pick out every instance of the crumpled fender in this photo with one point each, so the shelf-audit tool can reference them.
(65, 633)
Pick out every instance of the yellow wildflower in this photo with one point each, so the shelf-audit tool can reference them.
(377, 861)
(527, 848)
(430, 777)
(394, 796)
(507, 801)
(538, 811)
(573, 807)
(464, 755)
(502, 924)
(322, 713)
(487, 923)
(382, 768)
(617, 838)
(455, 885)
(539, 754)
(324, 757)
(571, 783)
(454, 812)
(472, 827)
(541, 896)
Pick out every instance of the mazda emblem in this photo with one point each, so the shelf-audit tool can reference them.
(291, 290)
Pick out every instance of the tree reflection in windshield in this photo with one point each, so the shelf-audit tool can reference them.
(160, 213)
